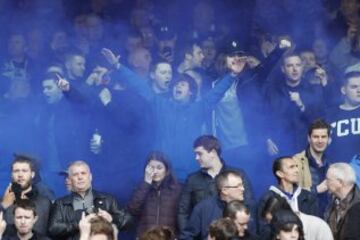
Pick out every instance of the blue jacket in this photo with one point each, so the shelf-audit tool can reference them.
(203, 215)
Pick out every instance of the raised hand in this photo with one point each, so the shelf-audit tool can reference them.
(285, 43)
(236, 64)
(271, 147)
(295, 97)
(111, 58)
(85, 226)
(62, 83)
(149, 174)
(2, 224)
(252, 61)
(97, 75)
(321, 74)
(104, 214)
(8, 198)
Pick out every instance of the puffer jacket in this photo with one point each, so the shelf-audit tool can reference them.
(155, 205)
(63, 222)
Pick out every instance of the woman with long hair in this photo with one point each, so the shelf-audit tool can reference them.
(154, 202)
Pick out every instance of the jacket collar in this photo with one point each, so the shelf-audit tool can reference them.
(68, 199)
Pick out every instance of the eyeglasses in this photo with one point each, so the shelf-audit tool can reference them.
(235, 186)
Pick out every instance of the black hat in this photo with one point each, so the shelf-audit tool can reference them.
(164, 32)
(234, 47)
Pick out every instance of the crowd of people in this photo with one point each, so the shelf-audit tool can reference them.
(207, 119)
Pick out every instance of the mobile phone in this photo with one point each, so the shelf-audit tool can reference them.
(16, 189)
(98, 203)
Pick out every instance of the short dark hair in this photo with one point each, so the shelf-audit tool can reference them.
(50, 76)
(223, 229)
(319, 124)
(155, 65)
(285, 220)
(158, 233)
(19, 158)
(274, 204)
(71, 53)
(188, 48)
(347, 76)
(163, 158)
(233, 207)
(222, 178)
(25, 204)
(277, 165)
(208, 142)
(288, 55)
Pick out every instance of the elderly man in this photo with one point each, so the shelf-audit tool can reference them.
(67, 211)
(343, 213)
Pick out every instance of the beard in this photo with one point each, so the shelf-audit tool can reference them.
(26, 185)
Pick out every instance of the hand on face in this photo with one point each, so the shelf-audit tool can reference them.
(149, 174)
(236, 64)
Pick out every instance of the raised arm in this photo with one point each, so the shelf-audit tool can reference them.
(235, 67)
(134, 81)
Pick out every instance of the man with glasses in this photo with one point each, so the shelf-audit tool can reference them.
(230, 186)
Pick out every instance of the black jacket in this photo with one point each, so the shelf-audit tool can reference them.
(200, 185)
(250, 89)
(42, 205)
(11, 234)
(63, 222)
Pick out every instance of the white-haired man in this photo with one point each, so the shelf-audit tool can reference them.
(343, 213)
(67, 211)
